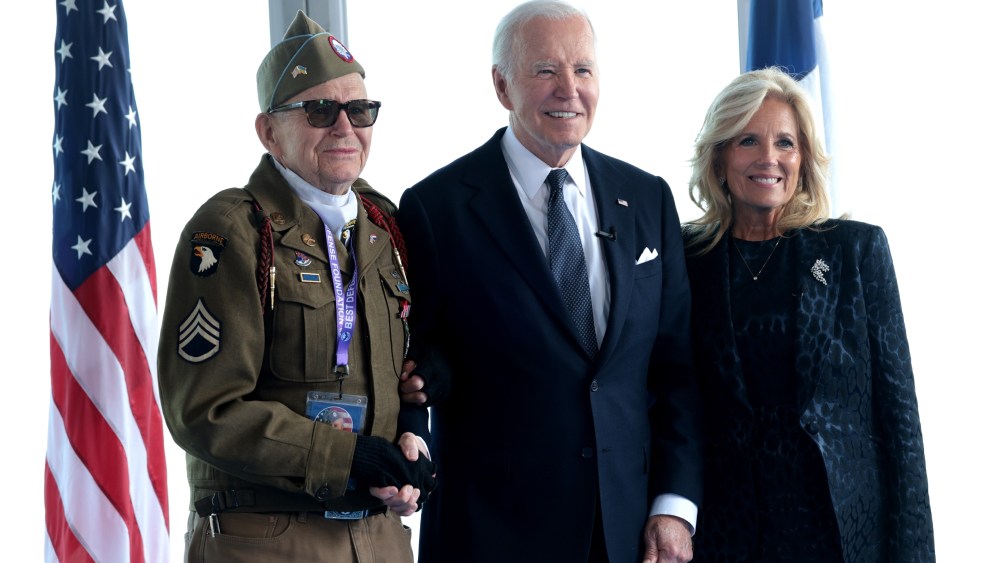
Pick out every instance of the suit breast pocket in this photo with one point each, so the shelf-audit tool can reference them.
(644, 304)
(648, 268)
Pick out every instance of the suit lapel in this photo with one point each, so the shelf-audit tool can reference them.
(494, 202)
(818, 295)
(612, 195)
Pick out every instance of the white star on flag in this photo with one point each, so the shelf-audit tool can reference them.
(103, 59)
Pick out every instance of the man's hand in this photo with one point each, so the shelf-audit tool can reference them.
(404, 501)
(379, 463)
(412, 446)
(410, 385)
(401, 501)
(668, 540)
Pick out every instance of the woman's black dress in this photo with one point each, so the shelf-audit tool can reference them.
(794, 512)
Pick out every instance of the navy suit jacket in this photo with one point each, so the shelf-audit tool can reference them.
(856, 397)
(533, 434)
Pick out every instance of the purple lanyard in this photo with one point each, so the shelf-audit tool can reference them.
(346, 300)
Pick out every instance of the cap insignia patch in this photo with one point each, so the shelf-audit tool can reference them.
(341, 51)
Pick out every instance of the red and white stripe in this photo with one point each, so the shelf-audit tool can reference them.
(105, 475)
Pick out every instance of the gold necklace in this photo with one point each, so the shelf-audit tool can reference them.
(757, 275)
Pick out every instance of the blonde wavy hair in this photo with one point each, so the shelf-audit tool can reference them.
(727, 117)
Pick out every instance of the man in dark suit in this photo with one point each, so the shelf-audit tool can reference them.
(556, 440)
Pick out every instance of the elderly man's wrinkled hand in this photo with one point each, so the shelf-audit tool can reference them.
(668, 540)
(407, 499)
(403, 501)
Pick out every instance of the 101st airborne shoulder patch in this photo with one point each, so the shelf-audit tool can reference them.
(200, 335)
(206, 251)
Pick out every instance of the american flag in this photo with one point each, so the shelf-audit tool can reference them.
(105, 470)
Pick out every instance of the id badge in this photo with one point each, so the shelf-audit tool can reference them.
(343, 412)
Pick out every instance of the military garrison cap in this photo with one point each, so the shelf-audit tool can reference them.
(307, 56)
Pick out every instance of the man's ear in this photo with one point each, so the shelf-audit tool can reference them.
(265, 132)
(500, 84)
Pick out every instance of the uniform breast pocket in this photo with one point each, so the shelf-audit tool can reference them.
(388, 327)
(303, 329)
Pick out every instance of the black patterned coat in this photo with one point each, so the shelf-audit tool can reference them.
(856, 396)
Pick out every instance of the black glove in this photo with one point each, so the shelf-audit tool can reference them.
(379, 463)
(435, 373)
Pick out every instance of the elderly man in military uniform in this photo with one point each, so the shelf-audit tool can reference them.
(284, 334)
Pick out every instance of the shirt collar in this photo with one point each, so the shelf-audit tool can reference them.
(530, 172)
(335, 210)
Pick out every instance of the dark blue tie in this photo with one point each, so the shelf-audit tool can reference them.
(568, 265)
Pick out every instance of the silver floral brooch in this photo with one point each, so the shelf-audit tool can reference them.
(818, 269)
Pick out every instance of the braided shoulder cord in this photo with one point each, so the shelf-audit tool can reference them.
(265, 265)
(387, 222)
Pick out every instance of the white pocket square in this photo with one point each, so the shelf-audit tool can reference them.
(646, 255)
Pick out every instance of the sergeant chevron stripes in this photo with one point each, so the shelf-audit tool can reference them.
(199, 335)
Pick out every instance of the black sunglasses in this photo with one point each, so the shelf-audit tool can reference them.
(323, 113)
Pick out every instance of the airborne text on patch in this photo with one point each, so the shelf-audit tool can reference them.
(206, 251)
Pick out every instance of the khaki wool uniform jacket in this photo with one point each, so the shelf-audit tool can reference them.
(234, 379)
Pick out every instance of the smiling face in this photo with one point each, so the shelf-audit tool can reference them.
(329, 158)
(553, 87)
(761, 165)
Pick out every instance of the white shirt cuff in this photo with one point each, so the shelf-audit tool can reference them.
(676, 505)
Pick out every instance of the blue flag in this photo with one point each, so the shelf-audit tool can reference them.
(782, 33)
(789, 34)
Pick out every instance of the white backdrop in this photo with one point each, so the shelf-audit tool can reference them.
(916, 127)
